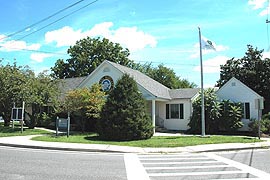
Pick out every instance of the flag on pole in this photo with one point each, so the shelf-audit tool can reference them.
(208, 44)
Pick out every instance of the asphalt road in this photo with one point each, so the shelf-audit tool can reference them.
(257, 158)
(30, 164)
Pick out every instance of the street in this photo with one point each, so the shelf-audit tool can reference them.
(257, 158)
(28, 164)
(31, 164)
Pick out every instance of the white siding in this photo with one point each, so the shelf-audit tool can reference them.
(236, 91)
(176, 124)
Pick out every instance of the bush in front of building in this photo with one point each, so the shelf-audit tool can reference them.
(265, 125)
(224, 116)
(124, 115)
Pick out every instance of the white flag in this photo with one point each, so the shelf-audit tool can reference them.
(207, 44)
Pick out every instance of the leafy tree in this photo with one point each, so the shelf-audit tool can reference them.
(85, 104)
(39, 92)
(252, 70)
(164, 75)
(212, 113)
(219, 116)
(87, 54)
(20, 84)
(231, 115)
(124, 114)
(13, 79)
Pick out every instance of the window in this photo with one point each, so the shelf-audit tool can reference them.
(174, 111)
(246, 110)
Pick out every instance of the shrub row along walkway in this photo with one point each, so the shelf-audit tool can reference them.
(26, 142)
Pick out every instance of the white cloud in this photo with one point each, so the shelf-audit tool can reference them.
(257, 4)
(129, 37)
(65, 36)
(212, 65)
(39, 57)
(264, 12)
(102, 29)
(2, 37)
(133, 39)
(260, 4)
(18, 46)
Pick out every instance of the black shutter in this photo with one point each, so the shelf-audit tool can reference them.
(181, 111)
(167, 111)
(247, 110)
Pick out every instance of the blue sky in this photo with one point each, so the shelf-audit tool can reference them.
(154, 31)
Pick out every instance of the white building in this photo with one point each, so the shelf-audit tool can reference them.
(168, 108)
(236, 91)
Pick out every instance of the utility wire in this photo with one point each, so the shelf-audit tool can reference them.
(57, 20)
(32, 50)
(42, 20)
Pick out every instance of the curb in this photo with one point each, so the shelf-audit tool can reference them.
(234, 149)
(57, 148)
(119, 151)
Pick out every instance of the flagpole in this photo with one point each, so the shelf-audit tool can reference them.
(202, 91)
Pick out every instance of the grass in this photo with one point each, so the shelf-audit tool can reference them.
(9, 131)
(161, 141)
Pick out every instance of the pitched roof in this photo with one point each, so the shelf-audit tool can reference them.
(155, 88)
(152, 86)
(185, 93)
(69, 84)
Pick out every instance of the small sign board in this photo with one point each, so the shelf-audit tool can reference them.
(17, 114)
(63, 124)
(259, 103)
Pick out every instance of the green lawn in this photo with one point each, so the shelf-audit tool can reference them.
(9, 131)
(153, 142)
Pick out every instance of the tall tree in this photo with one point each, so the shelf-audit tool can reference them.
(40, 91)
(252, 70)
(87, 54)
(20, 84)
(124, 115)
(13, 80)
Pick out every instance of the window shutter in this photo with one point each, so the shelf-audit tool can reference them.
(181, 111)
(247, 111)
(167, 111)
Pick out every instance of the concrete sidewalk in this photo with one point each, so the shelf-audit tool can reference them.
(26, 142)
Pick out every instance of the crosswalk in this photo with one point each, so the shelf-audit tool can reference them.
(190, 166)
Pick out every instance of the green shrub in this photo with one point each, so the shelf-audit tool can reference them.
(265, 125)
(124, 116)
(219, 116)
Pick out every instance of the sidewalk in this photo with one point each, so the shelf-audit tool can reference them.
(26, 142)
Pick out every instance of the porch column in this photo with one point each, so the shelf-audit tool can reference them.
(154, 114)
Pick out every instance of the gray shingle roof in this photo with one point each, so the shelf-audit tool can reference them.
(155, 88)
(185, 93)
(69, 84)
(152, 86)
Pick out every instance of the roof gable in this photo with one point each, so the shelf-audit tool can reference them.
(233, 82)
(152, 86)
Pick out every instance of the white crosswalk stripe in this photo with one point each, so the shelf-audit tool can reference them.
(197, 166)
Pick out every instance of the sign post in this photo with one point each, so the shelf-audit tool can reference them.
(17, 114)
(63, 123)
(260, 106)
